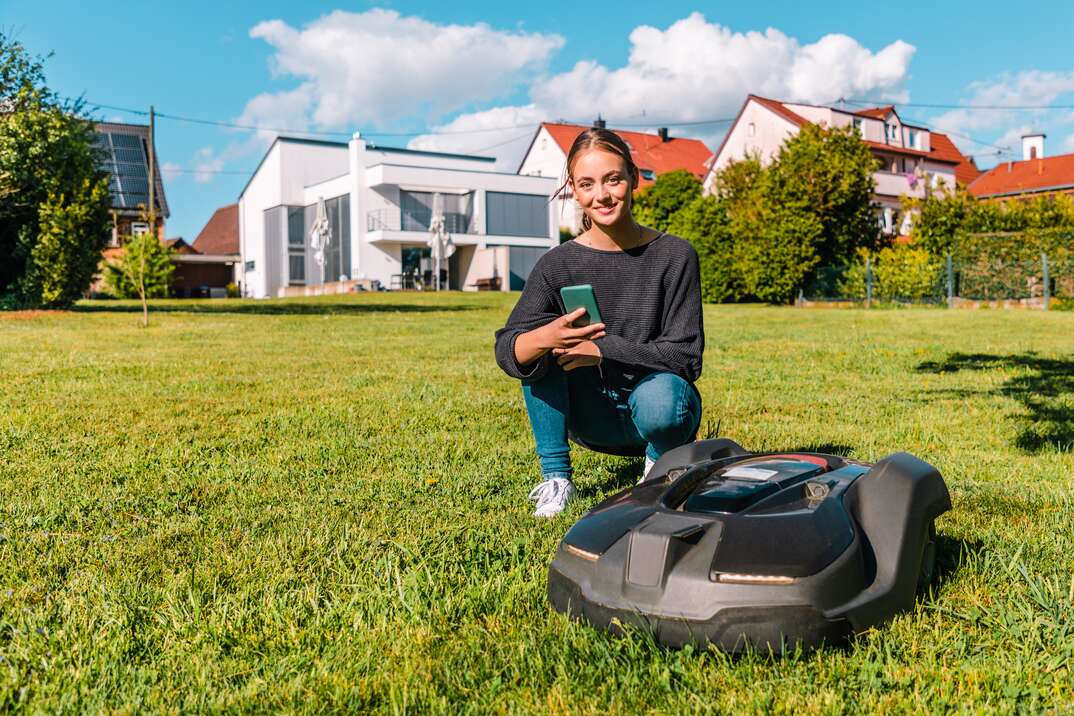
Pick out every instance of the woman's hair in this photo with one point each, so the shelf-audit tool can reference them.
(609, 141)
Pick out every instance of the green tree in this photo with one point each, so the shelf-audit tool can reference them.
(51, 191)
(656, 204)
(705, 224)
(811, 206)
(143, 270)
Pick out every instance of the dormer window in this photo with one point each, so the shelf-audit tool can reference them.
(648, 174)
(893, 132)
(858, 126)
(911, 139)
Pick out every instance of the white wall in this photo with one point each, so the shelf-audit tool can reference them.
(263, 191)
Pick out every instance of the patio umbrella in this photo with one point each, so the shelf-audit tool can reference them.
(439, 239)
(320, 234)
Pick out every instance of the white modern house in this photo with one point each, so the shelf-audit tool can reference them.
(913, 159)
(379, 202)
(654, 154)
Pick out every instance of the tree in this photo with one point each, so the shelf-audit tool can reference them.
(53, 199)
(810, 206)
(142, 271)
(705, 224)
(656, 204)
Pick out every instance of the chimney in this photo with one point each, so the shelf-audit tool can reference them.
(663, 132)
(599, 123)
(1032, 146)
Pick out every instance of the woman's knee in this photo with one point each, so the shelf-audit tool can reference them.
(664, 404)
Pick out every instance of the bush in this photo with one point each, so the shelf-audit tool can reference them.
(900, 273)
(232, 290)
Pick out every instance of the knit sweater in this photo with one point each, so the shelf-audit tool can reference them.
(649, 298)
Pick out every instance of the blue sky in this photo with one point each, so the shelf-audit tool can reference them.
(478, 75)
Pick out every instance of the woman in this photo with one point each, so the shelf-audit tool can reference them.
(624, 386)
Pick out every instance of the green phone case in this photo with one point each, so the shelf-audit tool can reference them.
(581, 297)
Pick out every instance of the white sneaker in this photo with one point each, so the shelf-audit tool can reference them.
(649, 462)
(552, 496)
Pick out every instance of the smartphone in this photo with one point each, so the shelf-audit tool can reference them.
(575, 297)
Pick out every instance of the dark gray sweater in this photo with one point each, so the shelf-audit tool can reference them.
(649, 298)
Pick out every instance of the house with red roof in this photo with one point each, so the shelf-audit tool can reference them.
(205, 268)
(654, 154)
(1035, 175)
(913, 159)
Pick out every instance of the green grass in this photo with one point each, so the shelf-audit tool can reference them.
(320, 505)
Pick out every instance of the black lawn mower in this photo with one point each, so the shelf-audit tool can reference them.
(757, 551)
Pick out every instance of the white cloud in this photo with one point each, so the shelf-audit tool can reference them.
(377, 67)
(1068, 143)
(502, 132)
(1031, 88)
(206, 165)
(170, 171)
(696, 71)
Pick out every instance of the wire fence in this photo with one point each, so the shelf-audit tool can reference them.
(1042, 282)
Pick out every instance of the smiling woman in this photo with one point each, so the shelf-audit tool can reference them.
(623, 386)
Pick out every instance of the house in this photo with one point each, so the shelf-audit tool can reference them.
(654, 154)
(1035, 175)
(206, 267)
(913, 159)
(378, 203)
(123, 151)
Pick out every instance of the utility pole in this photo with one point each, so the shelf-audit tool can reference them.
(152, 176)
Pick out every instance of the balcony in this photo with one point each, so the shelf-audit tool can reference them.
(898, 184)
(395, 219)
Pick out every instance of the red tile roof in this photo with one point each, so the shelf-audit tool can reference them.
(221, 233)
(1033, 175)
(780, 109)
(648, 150)
(943, 148)
(876, 112)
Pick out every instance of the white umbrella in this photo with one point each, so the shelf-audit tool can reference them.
(320, 234)
(439, 239)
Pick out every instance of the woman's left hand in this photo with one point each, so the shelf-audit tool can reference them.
(586, 353)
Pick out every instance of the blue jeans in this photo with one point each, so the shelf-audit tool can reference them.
(662, 412)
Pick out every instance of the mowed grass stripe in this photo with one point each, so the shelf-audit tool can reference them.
(319, 504)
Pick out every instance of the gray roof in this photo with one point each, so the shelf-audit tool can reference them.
(124, 155)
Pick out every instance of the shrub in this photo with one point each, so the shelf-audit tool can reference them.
(704, 224)
(655, 205)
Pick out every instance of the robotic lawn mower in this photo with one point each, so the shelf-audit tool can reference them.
(747, 550)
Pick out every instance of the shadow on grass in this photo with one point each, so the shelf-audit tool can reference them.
(285, 308)
(1042, 386)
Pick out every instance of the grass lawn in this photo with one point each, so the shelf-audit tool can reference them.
(320, 504)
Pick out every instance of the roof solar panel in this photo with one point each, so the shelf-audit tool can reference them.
(122, 154)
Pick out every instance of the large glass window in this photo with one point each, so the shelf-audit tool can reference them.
(416, 208)
(337, 255)
(516, 214)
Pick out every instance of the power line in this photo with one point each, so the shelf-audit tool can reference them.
(969, 106)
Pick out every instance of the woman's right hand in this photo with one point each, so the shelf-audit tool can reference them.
(557, 333)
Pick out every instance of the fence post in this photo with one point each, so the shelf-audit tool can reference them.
(1047, 280)
(950, 282)
(868, 282)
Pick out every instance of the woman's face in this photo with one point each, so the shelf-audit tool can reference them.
(602, 186)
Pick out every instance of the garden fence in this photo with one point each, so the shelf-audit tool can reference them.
(952, 281)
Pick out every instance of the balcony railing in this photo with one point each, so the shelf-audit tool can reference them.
(896, 184)
(393, 219)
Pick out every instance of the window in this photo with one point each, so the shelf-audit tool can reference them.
(515, 214)
(249, 266)
(296, 246)
(893, 132)
(647, 174)
(138, 228)
(417, 211)
(856, 122)
(911, 139)
(337, 255)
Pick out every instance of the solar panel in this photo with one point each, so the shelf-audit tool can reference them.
(123, 156)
